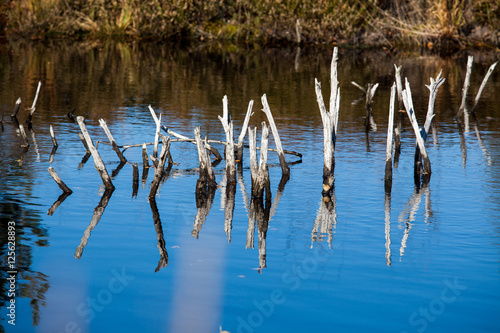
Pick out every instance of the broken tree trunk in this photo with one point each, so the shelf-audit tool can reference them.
(52, 136)
(158, 126)
(31, 110)
(241, 138)
(24, 136)
(112, 141)
(407, 98)
(483, 84)
(99, 164)
(80, 135)
(145, 160)
(330, 123)
(228, 129)
(59, 182)
(399, 118)
(17, 106)
(160, 167)
(259, 172)
(433, 89)
(207, 176)
(370, 122)
(181, 137)
(285, 170)
(465, 89)
(388, 152)
(368, 92)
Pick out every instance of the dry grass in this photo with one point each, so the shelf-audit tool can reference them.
(445, 24)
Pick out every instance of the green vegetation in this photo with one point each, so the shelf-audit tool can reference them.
(447, 25)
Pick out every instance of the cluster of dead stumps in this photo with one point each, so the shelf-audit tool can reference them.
(261, 199)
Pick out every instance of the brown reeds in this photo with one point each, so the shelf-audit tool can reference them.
(442, 24)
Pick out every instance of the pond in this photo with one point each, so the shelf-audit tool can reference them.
(419, 259)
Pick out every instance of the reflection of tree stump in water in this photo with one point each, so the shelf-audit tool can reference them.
(204, 199)
(326, 219)
(98, 211)
(262, 216)
(259, 213)
(229, 209)
(163, 262)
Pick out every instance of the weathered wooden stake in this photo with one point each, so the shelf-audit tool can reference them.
(370, 122)
(241, 138)
(407, 98)
(259, 172)
(228, 128)
(465, 89)
(33, 106)
(24, 136)
(80, 135)
(17, 106)
(399, 118)
(157, 136)
(145, 160)
(285, 170)
(158, 127)
(388, 152)
(159, 168)
(99, 164)
(59, 182)
(207, 176)
(330, 123)
(483, 84)
(181, 137)
(254, 164)
(112, 141)
(52, 136)
(433, 89)
(368, 92)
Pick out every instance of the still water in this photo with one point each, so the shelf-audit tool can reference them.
(414, 261)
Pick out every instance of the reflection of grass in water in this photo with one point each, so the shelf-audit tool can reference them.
(443, 23)
(99, 78)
